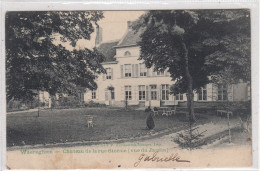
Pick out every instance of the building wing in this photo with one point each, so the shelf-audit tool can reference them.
(131, 38)
(108, 50)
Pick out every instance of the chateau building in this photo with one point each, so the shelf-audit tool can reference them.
(128, 80)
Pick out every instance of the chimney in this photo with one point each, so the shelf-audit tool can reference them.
(129, 24)
(98, 36)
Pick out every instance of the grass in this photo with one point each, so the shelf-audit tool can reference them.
(69, 125)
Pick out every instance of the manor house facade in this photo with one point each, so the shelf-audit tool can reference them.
(127, 79)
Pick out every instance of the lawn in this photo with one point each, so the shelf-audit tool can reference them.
(69, 125)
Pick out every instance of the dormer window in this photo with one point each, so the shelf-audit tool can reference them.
(127, 53)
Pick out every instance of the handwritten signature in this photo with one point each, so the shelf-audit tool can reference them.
(154, 158)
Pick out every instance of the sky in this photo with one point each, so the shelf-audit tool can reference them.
(115, 23)
(114, 26)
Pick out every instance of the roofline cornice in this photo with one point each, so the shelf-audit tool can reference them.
(107, 63)
(122, 46)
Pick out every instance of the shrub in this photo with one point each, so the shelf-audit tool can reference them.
(14, 105)
(93, 104)
(190, 138)
(148, 109)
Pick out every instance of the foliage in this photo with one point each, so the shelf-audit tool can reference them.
(34, 62)
(14, 105)
(17, 105)
(195, 45)
(228, 45)
(235, 105)
(70, 101)
(217, 41)
(94, 104)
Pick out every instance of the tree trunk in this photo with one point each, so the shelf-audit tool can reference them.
(38, 103)
(50, 104)
(52, 101)
(189, 85)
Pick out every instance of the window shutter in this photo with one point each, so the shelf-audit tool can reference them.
(89, 95)
(158, 92)
(136, 70)
(122, 93)
(122, 71)
(104, 77)
(209, 92)
(148, 72)
(133, 70)
(167, 74)
(134, 93)
(214, 92)
(149, 93)
(112, 74)
(248, 92)
(146, 94)
(230, 92)
(153, 73)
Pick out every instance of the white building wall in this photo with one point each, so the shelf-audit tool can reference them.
(119, 81)
(134, 50)
(44, 97)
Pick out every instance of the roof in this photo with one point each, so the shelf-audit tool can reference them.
(108, 50)
(131, 38)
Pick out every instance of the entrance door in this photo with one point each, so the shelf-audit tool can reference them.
(112, 97)
(155, 98)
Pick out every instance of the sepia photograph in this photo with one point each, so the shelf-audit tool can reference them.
(128, 89)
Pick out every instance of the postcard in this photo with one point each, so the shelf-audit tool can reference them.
(107, 89)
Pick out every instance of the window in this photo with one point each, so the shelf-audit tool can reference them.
(165, 91)
(202, 93)
(127, 53)
(112, 94)
(153, 92)
(93, 94)
(128, 71)
(128, 93)
(222, 92)
(157, 73)
(160, 73)
(141, 92)
(248, 92)
(179, 96)
(143, 70)
(109, 73)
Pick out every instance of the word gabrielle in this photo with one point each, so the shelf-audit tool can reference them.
(154, 158)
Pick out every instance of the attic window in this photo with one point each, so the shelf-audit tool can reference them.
(127, 53)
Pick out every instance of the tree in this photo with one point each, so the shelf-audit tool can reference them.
(34, 62)
(194, 45)
(228, 44)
